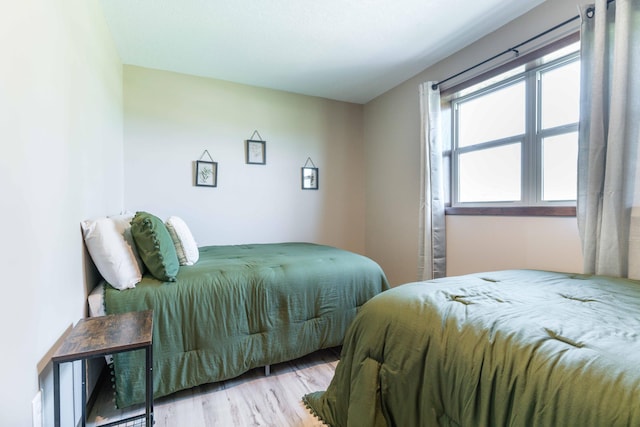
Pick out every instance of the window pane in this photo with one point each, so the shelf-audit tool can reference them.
(561, 95)
(490, 175)
(496, 115)
(560, 167)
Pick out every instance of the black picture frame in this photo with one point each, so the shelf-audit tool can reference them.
(256, 152)
(206, 174)
(310, 178)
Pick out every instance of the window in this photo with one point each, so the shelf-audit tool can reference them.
(515, 137)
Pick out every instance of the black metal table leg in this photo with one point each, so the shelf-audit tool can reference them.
(84, 392)
(56, 394)
(149, 399)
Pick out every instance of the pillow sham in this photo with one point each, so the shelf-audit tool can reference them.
(113, 255)
(185, 244)
(155, 246)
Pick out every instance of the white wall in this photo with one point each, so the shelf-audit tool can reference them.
(170, 119)
(391, 129)
(60, 162)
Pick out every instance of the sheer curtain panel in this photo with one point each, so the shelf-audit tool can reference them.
(608, 206)
(431, 254)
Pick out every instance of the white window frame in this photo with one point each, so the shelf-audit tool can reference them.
(531, 140)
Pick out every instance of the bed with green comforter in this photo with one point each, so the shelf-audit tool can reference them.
(509, 348)
(241, 307)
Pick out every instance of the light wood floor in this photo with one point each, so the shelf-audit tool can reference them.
(252, 399)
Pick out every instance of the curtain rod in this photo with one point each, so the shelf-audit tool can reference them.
(514, 49)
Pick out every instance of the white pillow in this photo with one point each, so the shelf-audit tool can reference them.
(186, 246)
(123, 226)
(114, 257)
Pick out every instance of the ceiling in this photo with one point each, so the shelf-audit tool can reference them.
(347, 50)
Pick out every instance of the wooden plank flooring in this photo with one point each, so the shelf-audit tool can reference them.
(252, 399)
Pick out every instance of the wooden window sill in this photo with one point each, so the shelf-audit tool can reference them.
(513, 211)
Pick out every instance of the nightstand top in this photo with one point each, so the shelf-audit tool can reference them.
(99, 336)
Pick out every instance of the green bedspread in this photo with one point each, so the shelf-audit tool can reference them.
(510, 348)
(242, 307)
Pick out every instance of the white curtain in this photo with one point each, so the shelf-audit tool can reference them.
(608, 189)
(431, 254)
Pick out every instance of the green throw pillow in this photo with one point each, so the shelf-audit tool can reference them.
(155, 246)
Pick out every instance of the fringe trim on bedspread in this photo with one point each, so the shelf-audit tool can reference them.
(312, 411)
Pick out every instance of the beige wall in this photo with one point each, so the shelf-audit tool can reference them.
(496, 243)
(170, 119)
(60, 162)
(391, 129)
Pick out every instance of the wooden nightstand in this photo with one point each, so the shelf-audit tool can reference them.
(100, 336)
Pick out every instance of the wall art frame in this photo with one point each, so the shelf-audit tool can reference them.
(256, 152)
(206, 173)
(310, 177)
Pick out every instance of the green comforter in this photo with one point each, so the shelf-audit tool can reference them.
(511, 348)
(242, 307)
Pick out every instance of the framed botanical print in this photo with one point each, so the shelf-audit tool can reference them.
(206, 173)
(309, 178)
(256, 152)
